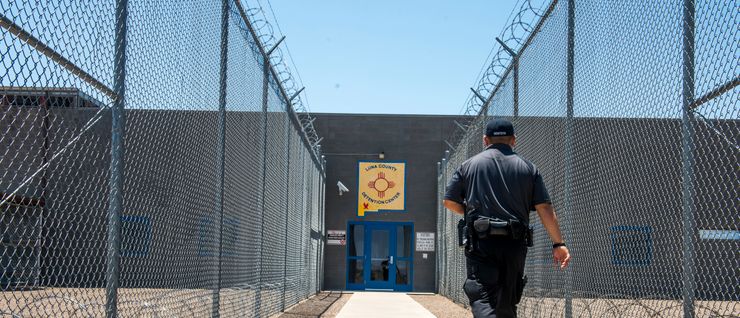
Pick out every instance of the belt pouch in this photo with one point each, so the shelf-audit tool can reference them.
(516, 229)
(482, 227)
(498, 223)
(461, 235)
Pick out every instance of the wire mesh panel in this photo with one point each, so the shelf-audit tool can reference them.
(716, 153)
(630, 111)
(314, 235)
(641, 188)
(305, 255)
(541, 138)
(273, 248)
(54, 157)
(244, 179)
(294, 265)
(195, 219)
(175, 234)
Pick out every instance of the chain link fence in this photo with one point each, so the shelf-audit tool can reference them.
(630, 110)
(152, 164)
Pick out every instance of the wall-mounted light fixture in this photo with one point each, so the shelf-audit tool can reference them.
(381, 155)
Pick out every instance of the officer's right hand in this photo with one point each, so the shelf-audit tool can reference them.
(561, 256)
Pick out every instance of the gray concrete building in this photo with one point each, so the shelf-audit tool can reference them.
(55, 229)
(55, 226)
(417, 141)
(629, 228)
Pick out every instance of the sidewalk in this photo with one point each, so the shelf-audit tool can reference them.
(387, 305)
(343, 304)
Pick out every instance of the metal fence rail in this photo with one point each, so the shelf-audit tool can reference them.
(631, 111)
(151, 164)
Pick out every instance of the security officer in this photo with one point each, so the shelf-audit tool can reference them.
(495, 190)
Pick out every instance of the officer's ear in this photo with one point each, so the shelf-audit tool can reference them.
(486, 143)
(512, 142)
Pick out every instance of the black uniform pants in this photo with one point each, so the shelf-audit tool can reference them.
(495, 277)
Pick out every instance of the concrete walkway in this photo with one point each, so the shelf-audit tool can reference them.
(386, 305)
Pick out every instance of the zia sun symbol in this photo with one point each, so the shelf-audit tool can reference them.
(381, 184)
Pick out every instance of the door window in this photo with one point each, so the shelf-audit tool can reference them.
(356, 254)
(356, 271)
(402, 272)
(403, 241)
(380, 255)
(404, 253)
(356, 240)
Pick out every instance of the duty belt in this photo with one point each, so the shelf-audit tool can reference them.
(485, 227)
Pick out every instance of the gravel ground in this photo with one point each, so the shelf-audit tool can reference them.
(324, 304)
(332, 311)
(442, 307)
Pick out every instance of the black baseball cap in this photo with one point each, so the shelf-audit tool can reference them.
(499, 127)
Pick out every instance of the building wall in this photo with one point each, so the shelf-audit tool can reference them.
(170, 218)
(417, 140)
(627, 182)
(171, 176)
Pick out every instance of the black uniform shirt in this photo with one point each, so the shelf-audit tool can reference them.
(498, 183)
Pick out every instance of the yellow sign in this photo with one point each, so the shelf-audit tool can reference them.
(382, 187)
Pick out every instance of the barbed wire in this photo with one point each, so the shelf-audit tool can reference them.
(513, 35)
(284, 67)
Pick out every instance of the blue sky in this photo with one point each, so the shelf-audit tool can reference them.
(383, 56)
(397, 57)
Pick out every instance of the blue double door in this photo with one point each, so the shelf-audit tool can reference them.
(379, 256)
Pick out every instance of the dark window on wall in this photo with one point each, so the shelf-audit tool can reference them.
(207, 241)
(208, 237)
(20, 231)
(632, 245)
(231, 236)
(136, 235)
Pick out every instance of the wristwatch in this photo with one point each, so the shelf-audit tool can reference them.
(556, 245)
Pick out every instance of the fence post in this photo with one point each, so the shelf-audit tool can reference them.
(568, 219)
(307, 257)
(287, 210)
(265, 92)
(446, 265)
(516, 86)
(221, 148)
(322, 200)
(687, 158)
(318, 232)
(115, 199)
(440, 214)
(304, 222)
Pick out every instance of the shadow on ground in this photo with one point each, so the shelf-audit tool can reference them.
(323, 304)
(441, 306)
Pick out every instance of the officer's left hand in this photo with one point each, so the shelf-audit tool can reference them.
(561, 256)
